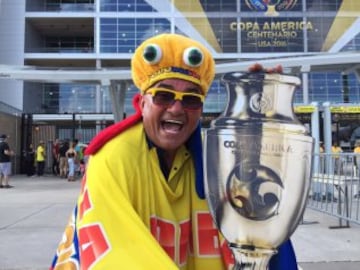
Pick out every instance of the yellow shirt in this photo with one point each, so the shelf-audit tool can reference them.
(40, 153)
(139, 219)
(128, 216)
(357, 150)
(336, 150)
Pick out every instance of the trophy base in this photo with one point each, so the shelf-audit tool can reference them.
(250, 257)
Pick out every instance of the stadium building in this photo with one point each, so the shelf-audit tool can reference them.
(64, 64)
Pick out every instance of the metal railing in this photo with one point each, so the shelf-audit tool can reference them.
(335, 187)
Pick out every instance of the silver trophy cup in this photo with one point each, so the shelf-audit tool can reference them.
(257, 158)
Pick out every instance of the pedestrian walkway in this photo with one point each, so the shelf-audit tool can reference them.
(33, 215)
(320, 248)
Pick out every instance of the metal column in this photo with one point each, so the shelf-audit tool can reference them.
(315, 133)
(327, 136)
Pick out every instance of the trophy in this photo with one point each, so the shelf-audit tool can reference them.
(257, 166)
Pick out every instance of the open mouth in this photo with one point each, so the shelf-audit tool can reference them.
(172, 126)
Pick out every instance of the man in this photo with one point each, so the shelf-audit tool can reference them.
(63, 164)
(357, 153)
(30, 160)
(71, 157)
(40, 158)
(357, 163)
(336, 150)
(79, 156)
(5, 162)
(55, 156)
(142, 203)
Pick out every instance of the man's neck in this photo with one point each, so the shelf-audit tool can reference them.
(166, 157)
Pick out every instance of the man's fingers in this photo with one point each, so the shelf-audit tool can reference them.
(276, 69)
(258, 67)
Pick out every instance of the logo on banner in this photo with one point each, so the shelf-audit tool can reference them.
(271, 7)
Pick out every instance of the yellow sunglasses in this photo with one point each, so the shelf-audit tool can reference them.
(166, 98)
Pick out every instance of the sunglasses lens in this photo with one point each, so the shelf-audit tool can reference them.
(163, 98)
(191, 102)
(167, 98)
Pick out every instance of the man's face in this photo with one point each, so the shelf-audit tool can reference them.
(168, 127)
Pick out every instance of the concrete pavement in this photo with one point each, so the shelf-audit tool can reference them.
(320, 248)
(33, 215)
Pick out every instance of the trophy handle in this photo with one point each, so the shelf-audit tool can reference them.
(258, 97)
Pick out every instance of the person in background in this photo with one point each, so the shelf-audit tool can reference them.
(30, 160)
(63, 163)
(5, 162)
(357, 164)
(83, 161)
(336, 151)
(71, 157)
(40, 158)
(55, 157)
(79, 156)
(77, 161)
(142, 203)
(322, 157)
(357, 156)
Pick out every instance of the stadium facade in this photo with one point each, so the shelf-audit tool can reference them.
(73, 35)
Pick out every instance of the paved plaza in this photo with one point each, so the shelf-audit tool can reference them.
(33, 215)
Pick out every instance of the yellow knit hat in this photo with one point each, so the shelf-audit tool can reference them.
(172, 56)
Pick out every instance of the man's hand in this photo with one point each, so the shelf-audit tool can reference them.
(258, 67)
(9, 152)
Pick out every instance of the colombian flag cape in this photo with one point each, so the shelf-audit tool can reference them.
(120, 224)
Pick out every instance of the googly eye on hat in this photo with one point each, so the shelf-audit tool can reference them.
(172, 56)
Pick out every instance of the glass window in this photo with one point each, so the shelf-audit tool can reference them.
(130, 93)
(329, 87)
(125, 6)
(318, 34)
(323, 5)
(207, 5)
(317, 89)
(75, 98)
(353, 45)
(214, 6)
(123, 35)
(125, 25)
(216, 99)
(226, 36)
(354, 88)
(108, 5)
(143, 6)
(50, 102)
(299, 96)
